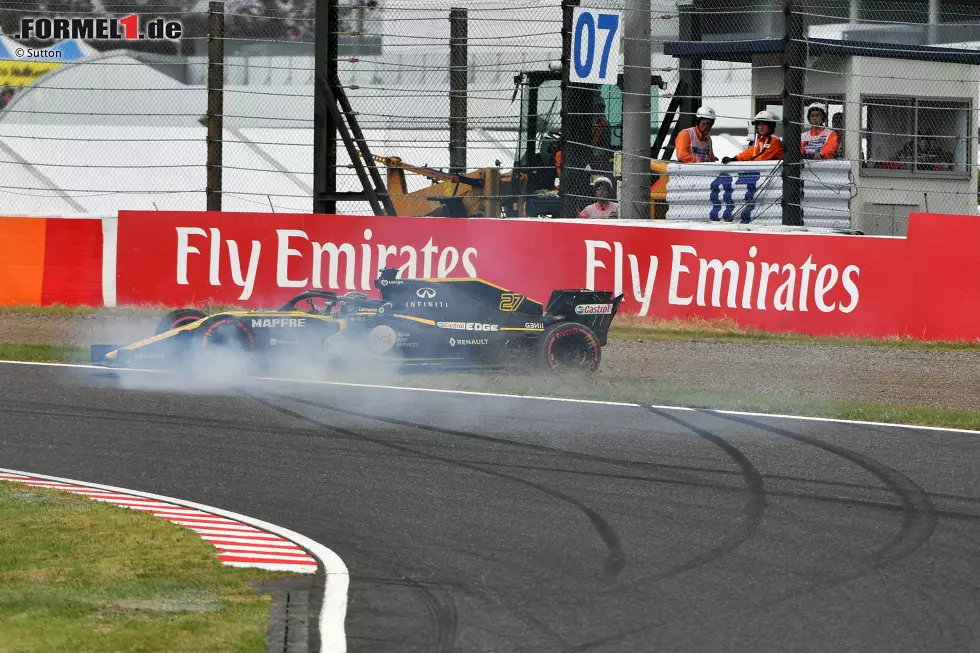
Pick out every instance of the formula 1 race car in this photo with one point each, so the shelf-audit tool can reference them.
(417, 322)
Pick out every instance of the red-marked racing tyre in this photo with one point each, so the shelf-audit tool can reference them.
(569, 347)
(223, 351)
(180, 317)
(229, 335)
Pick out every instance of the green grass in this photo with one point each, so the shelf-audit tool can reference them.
(77, 576)
(696, 330)
(664, 335)
(61, 309)
(42, 353)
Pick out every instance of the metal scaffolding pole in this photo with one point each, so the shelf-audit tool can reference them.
(458, 63)
(794, 65)
(216, 82)
(324, 125)
(635, 198)
(564, 178)
(689, 31)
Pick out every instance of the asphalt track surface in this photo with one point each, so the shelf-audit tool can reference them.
(491, 524)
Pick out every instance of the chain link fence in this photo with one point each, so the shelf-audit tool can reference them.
(111, 125)
(402, 97)
(95, 126)
(891, 89)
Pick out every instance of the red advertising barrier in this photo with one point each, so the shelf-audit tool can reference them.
(941, 285)
(814, 284)
(73, 251)
(50, 261)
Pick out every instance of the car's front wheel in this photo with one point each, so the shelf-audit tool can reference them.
(568, 347)
(226, 349)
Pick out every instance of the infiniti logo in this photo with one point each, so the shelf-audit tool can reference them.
(426, 293)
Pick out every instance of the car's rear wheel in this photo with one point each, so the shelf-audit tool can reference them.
(180, 317)
(568, 348)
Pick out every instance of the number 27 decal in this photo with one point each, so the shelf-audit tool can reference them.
(722, 189)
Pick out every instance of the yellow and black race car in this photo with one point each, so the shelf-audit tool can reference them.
(417, 322)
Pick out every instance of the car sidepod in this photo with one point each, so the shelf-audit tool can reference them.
(453, 322)
(280, 332)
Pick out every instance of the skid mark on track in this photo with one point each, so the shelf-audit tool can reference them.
(439, 607)
(918, 526)
(675, 470)
(445, 627)
(724, 487)
(86, 413)
(486, 596)
(920, 518)
(611, 639)
(919, 523)
(752, 513)
(442, 610)
(616, 558)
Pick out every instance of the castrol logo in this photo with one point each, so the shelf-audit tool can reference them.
(593, 309)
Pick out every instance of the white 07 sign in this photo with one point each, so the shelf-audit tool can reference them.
(596, 38)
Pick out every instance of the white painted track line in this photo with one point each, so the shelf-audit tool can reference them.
(530, 397)
(472, 393)
(333, 611)
(78, 365)
(341, 384)
(804, 418)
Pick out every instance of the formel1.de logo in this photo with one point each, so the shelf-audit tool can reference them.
(44, 28)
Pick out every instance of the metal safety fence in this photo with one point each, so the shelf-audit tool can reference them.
(95, 125)
(491, 108)
(890, 88)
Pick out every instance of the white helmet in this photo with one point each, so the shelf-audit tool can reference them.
(706, 113)
(764, 116)
(816, 107)
(603, 180)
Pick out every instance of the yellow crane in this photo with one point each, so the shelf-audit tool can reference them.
(528, 189)
(482, 193)
(478, 194)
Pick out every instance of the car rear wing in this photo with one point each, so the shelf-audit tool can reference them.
(593, 308)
